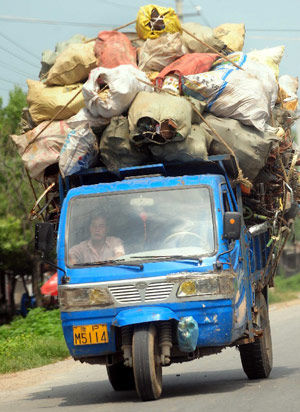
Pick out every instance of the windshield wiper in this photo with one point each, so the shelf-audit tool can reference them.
(112, 262)
(188, 259)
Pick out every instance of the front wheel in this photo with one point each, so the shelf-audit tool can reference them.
(120, 377)
(147, 367)
(257, 357)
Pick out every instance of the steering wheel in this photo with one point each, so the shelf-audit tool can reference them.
(182, 234)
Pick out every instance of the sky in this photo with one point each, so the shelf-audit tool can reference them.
(27, 27)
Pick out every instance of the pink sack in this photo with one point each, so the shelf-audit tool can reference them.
(191, 63)
(113, 49)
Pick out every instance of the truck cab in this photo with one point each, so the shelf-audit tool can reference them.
(157, 266)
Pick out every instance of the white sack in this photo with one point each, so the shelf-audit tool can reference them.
(79, 151)
(84, 116)
(46, 147)
(123, 86)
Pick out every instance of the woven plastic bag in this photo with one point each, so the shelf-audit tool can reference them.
(156, 54)
(251, 146)
(45, 102)
(153, 113)
(154, 20)
(73, 65)
(79, 152)
(113, 48)
(116, 150)
(271, 57)
(258, 69)
(193, 148)
(45, 150)
(123, 85)
(288, 92)
(203, 33)
(232, 34)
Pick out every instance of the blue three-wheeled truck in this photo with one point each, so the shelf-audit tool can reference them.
(157, 266)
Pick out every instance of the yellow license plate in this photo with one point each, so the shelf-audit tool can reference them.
(90, 334)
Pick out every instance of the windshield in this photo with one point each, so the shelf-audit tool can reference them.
(140, 225)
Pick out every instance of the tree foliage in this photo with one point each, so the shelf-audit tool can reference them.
(16, 198)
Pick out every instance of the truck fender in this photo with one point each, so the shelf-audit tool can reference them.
(143, 314)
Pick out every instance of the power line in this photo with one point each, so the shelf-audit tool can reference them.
(9, 67)
(17, 57)
(20, 47)
(9, 81)
(52, 22)
(114, 3)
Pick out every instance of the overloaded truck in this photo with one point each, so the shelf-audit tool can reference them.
(170, 180)
(191, 278)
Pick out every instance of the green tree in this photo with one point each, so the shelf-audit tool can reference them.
(17, 256)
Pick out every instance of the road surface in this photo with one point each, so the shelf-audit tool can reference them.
(211, 384)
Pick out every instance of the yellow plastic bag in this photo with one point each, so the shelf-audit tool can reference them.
(44, 102)
(154, 20)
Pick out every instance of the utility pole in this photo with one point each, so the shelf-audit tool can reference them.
(179, 9)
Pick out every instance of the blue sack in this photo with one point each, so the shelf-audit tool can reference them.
(187, 334)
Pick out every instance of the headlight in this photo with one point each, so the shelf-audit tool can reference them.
(84, 298)
(207, 285)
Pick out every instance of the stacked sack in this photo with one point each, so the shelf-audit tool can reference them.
(119, 102)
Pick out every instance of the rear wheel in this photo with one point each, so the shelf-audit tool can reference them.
(121, 377)
(257, 357)
(146, 362)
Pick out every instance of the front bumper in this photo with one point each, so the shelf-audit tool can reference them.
(214, 317)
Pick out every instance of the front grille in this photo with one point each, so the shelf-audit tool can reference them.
(125, 294)
(158, 291)
(154, 292)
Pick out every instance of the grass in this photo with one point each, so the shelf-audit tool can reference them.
(285, 289)
(33, 341)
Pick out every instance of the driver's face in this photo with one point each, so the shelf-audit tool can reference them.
(98, 229)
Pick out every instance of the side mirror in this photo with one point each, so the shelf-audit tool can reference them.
(232, 225)
(44, 237)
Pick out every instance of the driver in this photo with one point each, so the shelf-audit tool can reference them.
(99, 247)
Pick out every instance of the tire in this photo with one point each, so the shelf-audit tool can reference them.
(120, 377)
(147, 368)
(257, 357)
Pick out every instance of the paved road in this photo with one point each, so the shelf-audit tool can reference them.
(212, 384)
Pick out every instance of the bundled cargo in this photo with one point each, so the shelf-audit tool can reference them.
(232, 34)
(40, 147)
(167, 93)
(159, 118)
(156, 54)
(109, 92)
(205, 34)
(46, 102)
(73, 65)
(113, 49)
(79, 152)
(152, 21)
(116, 149)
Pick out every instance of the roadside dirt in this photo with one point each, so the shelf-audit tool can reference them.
(32, 377)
